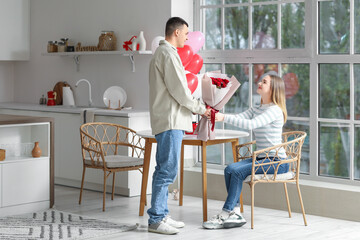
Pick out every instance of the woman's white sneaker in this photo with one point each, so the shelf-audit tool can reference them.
(216, 222)
(234, 220)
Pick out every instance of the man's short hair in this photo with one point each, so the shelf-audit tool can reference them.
(174, 23)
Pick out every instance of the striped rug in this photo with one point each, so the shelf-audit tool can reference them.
(53, 225)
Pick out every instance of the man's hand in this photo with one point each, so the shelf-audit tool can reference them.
(207, 113)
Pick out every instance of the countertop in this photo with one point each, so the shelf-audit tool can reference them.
(6, 119)
(67, 109)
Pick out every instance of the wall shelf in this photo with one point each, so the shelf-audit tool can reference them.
(76, 55)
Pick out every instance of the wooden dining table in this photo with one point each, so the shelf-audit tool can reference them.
(222, 136)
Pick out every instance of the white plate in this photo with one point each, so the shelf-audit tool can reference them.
(114, 94)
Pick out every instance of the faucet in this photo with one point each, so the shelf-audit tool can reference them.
(84, 80)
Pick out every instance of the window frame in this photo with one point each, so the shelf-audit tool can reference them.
(309, 55)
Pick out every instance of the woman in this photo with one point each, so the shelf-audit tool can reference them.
(266, 121)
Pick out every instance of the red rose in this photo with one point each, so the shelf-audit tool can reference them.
(219, 82)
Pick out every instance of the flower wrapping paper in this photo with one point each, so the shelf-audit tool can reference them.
(215, 98)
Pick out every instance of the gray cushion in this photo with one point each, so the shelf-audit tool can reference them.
(114, 161)
(283, 176)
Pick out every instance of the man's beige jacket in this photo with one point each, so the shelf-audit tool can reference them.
(171, 103)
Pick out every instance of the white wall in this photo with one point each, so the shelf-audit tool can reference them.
(82, 21)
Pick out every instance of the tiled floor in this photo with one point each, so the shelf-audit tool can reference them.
(269, 224)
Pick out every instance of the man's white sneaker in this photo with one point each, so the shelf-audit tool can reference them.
(163, 228)
(234, 220)
(174, 223)
(216, 222)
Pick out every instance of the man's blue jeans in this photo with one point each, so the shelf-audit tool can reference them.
(236, 173)
(167, 162)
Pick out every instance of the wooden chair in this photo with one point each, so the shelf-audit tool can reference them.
(111, 148)
(292, 143)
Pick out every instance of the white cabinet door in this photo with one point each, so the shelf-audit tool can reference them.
(25, 182)
(15, 30)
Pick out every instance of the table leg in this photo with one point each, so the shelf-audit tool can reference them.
(204, 180)
(234, 143)
(181, 175)
(145, 176)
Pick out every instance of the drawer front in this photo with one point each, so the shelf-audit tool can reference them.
(25, 182)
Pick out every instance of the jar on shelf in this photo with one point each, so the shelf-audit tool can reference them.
(52, 46)
(66, 41)
(70, 49)
(107, 41)
(61, 47)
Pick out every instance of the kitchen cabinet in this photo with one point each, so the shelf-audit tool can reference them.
(26, 183)
(68, 159)
(15, 28)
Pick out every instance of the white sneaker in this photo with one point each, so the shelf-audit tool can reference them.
(163, 228)
(234, 220)
(237, 210)
(174, 223)
(216, 222)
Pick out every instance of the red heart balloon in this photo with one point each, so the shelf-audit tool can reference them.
(186, 54)
(195, 64)
(192, 82)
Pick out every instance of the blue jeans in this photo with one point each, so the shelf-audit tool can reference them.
(167, 162)
(236, 173)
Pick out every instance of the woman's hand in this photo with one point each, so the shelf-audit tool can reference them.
(219, 117)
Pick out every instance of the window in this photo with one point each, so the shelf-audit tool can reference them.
(315, 46)
(334, 27)
(227, 25)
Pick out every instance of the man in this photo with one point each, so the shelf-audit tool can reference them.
(171, 109)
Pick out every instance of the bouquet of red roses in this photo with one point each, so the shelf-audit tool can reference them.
(217, 89)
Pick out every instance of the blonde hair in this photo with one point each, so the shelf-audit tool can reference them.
(278, 93)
